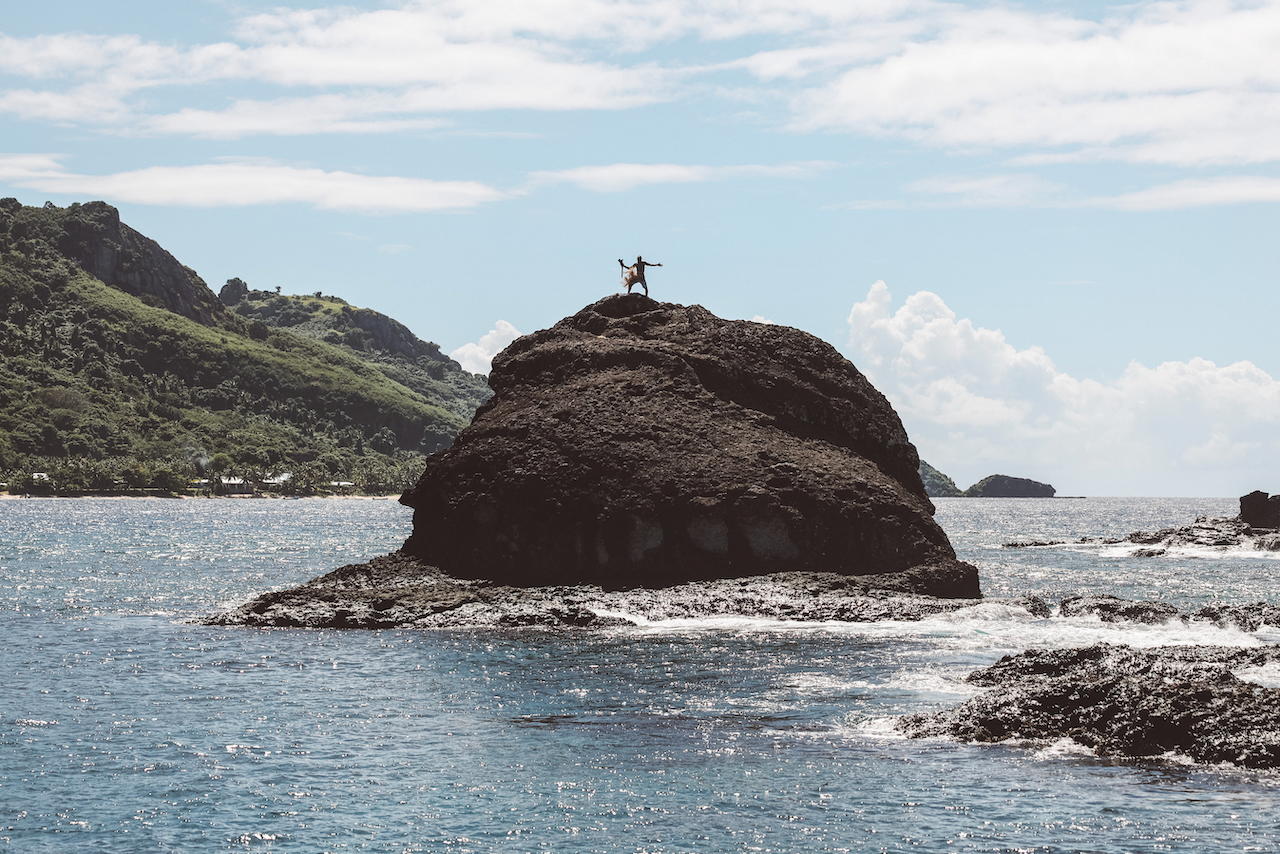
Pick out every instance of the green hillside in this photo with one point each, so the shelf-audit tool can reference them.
(118, 364)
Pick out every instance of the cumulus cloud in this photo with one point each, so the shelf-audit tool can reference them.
(975, 405)
(248, 182)
(478, 357)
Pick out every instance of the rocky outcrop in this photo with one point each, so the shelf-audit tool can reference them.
(1217, 534)
(119, 256)
(387, 333)
(1113, 609)
(1259, 510)
(937, 484)
(1123, 702)
(646, 444)
(1003, 486)
(399, 591)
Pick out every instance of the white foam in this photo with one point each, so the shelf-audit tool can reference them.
(1266, 675)
(878, 726)
(938, 682)
(1129, 550)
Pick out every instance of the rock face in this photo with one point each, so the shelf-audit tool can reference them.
(122, 258)
(640, 443)
(1003, 486)
(1124, 702)
(1258, 510)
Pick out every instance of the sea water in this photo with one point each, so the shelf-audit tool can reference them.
(124, 727)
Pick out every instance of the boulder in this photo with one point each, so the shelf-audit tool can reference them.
(1003, 486)
(647, 444)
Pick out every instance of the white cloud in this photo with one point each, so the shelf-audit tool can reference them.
(1191, 193)
(974, 405)
(618, 177)
(292, 117)
(988, 190)
(1190, 83)
(1022, 190)
(236, 183)
(478, 357)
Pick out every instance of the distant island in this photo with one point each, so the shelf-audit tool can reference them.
(122, 371)
(938, 485)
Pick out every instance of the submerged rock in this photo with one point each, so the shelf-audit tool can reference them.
(1123, 702)
(1113, 609)
(647, 444)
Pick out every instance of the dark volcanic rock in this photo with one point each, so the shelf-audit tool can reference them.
(1113, 609)
(398, 591)
(1206, 533)
(1031, 544)
(1123, 702)
(1003, 486)
(640, 443)
(1259, 510)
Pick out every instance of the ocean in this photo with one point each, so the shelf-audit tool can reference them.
(124, 727)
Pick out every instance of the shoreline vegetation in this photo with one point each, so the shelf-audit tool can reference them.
(182, 496)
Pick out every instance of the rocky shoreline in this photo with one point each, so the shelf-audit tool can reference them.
(1182, 701)
(1220, 534)
(399, 591)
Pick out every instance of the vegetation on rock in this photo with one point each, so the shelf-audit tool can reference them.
(937, 484)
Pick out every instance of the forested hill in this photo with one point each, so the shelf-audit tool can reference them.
(119, 364)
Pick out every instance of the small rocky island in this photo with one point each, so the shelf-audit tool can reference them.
(642, 446)
(939, 485)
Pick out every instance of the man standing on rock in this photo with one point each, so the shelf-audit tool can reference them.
(634, 275)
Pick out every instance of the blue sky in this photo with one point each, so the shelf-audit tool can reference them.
(1072, 208)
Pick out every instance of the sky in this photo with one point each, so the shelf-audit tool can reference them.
(1047, 231)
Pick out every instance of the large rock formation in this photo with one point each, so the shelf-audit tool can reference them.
(1003, 486)
(640, 443)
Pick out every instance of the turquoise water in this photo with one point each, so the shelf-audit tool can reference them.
(125, 728)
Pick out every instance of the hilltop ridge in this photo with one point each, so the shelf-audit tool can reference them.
(118, 363)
